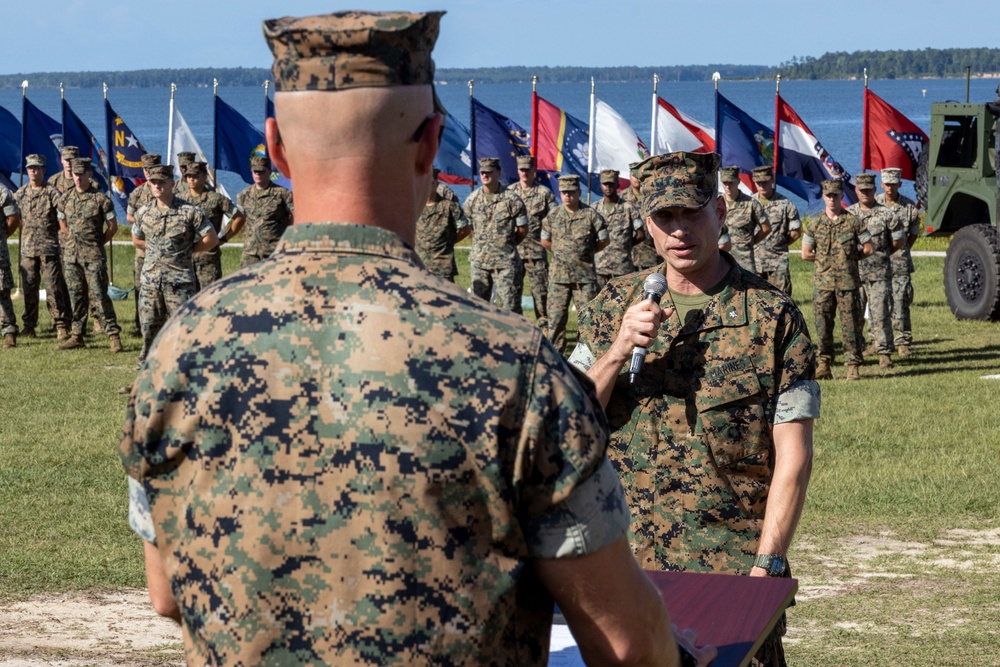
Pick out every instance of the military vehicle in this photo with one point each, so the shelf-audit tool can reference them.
(960, 181)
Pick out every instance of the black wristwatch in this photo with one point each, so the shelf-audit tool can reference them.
(687, 660)
(774, 565)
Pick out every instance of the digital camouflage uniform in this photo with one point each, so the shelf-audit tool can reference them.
(444, 192)
(902, 267)
(622, 219)
(84, 263)
(268, 213)
(574, 237)
(321, 501)
(876, 273)
(40, 259)
(208, 265)
(8, 320)
(141, 196)
(836, 282)
(692, 438)
(63, 183)
(643, 253)
(168, 274)
(494, 261)
(771, 254)
(538, 201)
(183, 190)
(744, 217)
(437, 231)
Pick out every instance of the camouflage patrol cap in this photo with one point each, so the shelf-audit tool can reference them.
(609, 176)
(69, 152)
(569, 183)
(864, 181)
(681, 179)
(833, 186)
(525, 161)
(353, 49)
(489, 164)
(196, 167)
(150, 160)
(729, 174)
(260, 163)
(186, 157)
(161, 172)
(34, 160)
(762, 174)
(80, 165)
(892, 176)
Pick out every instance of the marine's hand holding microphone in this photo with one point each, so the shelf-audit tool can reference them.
(654, 288)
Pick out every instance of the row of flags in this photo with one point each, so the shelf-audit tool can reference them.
(119, 172)
(563, 144)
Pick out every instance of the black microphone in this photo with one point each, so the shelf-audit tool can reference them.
(654, 288)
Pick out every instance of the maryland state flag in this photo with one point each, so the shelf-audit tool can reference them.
(890, 138)
(125, 162)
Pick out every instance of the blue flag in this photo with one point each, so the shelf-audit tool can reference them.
(495, 135)
(125, 165)
(740, 140)
(454, 156)
(236, 141)
(41, 134)
(10, 145)
(75, 133)
(276, 176)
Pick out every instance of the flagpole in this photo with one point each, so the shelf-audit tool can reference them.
(591, 143)
(534, 116)
(472, 132)
(267, 86)
(215, 124)
(716, 77)
(24, 140)
(62, 109)
(652, 132)
(170, 124)
(864, 127)
(777, 124)
(111, 161)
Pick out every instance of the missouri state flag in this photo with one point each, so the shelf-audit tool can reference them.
(890, 138)
(801, 163)
(125, 162)
(674, 130)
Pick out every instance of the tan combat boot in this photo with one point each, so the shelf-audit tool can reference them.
(71, 343)
(823, 370)
(62, 333)
(853, 373)
(97, 327)
(903, 350)
(884, 361)
(9, 340)
(116, 343)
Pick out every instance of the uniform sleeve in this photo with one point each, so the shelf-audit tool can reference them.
(137, 225)
(547, 228)
(797, 392)
(760, 212)
(139, 517)
(792, 214)
(808, 238)
(467, 207)
(461, 222)
(229, 208)
(202, 225)
(600, 226)
(289, 200)
(8, 203)
(61, 208)
(107, 208)
(518, 211)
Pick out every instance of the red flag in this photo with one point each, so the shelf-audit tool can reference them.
(890, 138)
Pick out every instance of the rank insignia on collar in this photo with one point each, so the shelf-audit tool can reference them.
(733, 314)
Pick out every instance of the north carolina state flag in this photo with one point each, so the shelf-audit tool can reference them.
(890, 138)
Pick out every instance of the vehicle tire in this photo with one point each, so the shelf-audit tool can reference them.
(972, 273)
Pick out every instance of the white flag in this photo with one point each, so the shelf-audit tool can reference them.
(181, 139)
(674, 130)
(616, 145)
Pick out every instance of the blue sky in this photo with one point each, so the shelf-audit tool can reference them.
(72, 35)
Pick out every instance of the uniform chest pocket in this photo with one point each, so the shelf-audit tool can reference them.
(731, 412)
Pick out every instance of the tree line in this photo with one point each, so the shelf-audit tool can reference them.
(898, 64)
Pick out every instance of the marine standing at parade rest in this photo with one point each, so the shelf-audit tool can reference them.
(900, 260)
(9, 222)
(771, 254)
(887, 234)
(208, 263)
(835, 240)
(440, 226)
(712, 438)
(267, 210)
(538, 201)
(643, 252)
(170, 231)
(573, 232)
(63, 180)
(139, 198)
(499, 223)
(623, 220)
(746, 219)
(87, 220)
(419, 502)
(40, 251)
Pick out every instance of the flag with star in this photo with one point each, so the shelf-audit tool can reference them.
(890, 139)
(495, 135)
(125, 161)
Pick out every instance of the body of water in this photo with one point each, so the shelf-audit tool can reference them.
(832, 109)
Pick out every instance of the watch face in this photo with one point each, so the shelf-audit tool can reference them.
(777, 567)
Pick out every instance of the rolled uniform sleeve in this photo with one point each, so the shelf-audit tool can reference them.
(139, 517)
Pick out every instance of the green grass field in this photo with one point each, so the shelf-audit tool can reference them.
(897, 555)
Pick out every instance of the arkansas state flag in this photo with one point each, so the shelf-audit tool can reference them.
(674, 130)
(616, 145)
(560, 144)
(890, 138)
(802, 163)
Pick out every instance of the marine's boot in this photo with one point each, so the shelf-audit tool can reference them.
(71, 343)
(28, 332)
(62, 333)
(853, 373)
(870, 350)
(903, 350)
(884, 361)
(9, 340)
(97, 327)
(823, 369)
(116, 343)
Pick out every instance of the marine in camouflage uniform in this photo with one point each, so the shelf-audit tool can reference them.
(573, 232)
(538, 201)
(444, 192)
(875, 271)
(623, 221)
(643, 252)
(268, 209)
(181, 187)
(771, 254)
(9, 222)
(169, 229)
(902, 264)
(315, 503)
(722, 408)
(136, 200)
(746, 219)
(63, 180)
(83, 216)
(40, 251)
(440, 226)
(835, 240)
(499, 222)
(208, 263)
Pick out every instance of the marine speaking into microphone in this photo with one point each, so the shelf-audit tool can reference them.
(654, 288)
